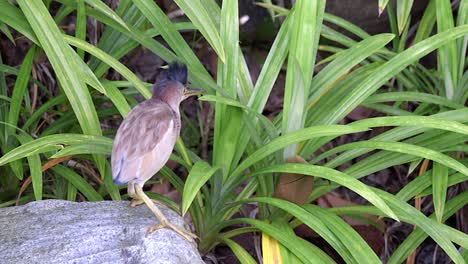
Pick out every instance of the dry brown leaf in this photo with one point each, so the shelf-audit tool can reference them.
(295, 188)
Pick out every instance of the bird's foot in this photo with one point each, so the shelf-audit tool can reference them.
(136, 202)
(184, 233)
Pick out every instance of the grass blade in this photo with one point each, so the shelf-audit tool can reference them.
(242, 255)
(51, 143)
(403, 13)
(204, 23)
(84, 187)
(20, 89)
(63, 61)
(200, 173)
(439, 188)
(305, 32)
(335, 176)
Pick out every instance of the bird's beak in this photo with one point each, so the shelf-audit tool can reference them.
(192, 91)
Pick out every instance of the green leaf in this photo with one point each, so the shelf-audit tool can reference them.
(106, 58)
(4, 28)
(112, 189)
(14, 17)
(422, 121)
(375, 79)
(83, 149)
(426, 24)
(341, 236)
(64, 61)
(200, 173)
(203, 21)
(242, 255)
(403, 13)
(407, 149)
(84, 187)
(228, 119)
(412, 96)
(418, 236)
(437, 231)
(439, 187)
(298, 246)
(117, 98)
(20, 89)
(71, 192)
(335, 176)
(51, 143)
(447, 55)
(177, 43)
(305, 33)
(382, 5)
(35, 168)
(345, 62)
(103, 8)
(80, 28)
(271, 68)
(297, 136)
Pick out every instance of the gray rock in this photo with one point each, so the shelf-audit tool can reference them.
(54, 231)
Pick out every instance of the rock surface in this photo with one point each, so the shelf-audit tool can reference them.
(54, 231)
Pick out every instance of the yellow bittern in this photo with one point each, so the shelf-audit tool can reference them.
(146, 138)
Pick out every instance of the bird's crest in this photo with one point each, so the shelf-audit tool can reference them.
(176, 72)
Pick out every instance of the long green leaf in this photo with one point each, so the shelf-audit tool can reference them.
(407, 149)
(305, 33)
(335, 176)
(51, 143)
(77, 181)
(242, 255)
(403, 13)
(346, 61)
(297, 136)
(34, 163)
(200, 173)
(12, 16)
(412, 96)
(295, 244)
(228, 119)
(422, 121)
(434, 229)
(119, 67)
(63, 61)
(447, 55)
(20, 89)
(99, 5)
(334, 230)
(160, 21)
(197, 13)
(418, 236)
(439, 187)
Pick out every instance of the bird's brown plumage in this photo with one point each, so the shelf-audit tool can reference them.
(149, 126)
(146, 138)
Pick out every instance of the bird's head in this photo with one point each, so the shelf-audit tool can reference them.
(172, 88)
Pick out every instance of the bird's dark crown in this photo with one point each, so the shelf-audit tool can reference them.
(176, 72)
(170, 88)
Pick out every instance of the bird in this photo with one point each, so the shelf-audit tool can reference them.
(146, 137)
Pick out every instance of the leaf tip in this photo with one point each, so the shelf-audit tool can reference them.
(381, 9)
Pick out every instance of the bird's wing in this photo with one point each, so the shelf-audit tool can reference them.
(139, 134)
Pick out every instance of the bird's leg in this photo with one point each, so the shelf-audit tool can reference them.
(162, 219)
(135, 199)
(131, 193)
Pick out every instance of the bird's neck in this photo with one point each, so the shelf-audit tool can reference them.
(173, 104)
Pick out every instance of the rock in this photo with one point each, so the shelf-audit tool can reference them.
(55, 231)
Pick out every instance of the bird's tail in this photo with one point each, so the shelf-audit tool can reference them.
(176, 72)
